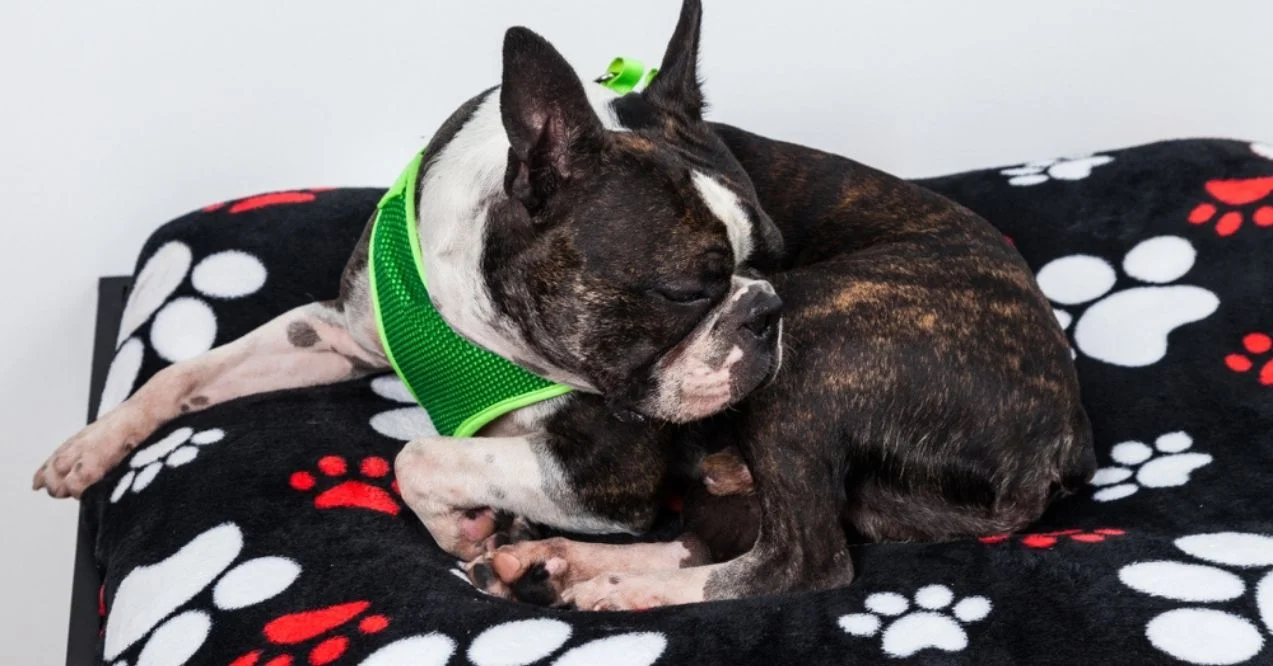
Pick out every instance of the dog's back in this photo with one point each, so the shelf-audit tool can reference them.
(924, 378)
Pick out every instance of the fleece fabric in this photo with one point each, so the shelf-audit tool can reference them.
(268, 530)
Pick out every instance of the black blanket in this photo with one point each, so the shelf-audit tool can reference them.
(267, 530)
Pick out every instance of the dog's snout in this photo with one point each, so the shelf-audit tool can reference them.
(762, 309)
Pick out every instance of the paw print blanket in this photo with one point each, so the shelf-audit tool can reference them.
(268, 532)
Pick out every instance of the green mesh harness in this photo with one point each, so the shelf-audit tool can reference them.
(462, 386)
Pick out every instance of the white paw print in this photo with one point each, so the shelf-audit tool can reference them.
(176, 449)
(1167, 465)
(1064, 168)
(1128, 327)
(1263, 150)
(184, 327)
(404, 423)
(930, 625)
(1197, 634)
(149, 594)
(523, 642)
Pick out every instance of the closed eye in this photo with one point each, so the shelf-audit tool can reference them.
(681, 295)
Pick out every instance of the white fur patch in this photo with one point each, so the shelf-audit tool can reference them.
(601, 98)
(691, 387)
(531, 418)
(466, 173)
(724, 204)
(452, 224)
(439, 474)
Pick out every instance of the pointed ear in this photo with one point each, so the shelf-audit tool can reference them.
(676, 89)
(550, 123)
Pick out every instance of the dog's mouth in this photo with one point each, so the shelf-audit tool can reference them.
(732, 351)
(692, 386)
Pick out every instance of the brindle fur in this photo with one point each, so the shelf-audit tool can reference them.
(927, 392)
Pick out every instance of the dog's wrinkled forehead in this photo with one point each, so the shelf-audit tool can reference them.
(647, 199)
(694, 165)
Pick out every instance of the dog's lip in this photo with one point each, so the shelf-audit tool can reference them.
(670, 356)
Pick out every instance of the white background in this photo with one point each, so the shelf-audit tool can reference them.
(115, 117)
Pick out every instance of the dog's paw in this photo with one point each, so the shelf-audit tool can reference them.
(85, 458)
(535, 572)
(463, 532)
(638, 591)
(615, 592)
(460, 532)
(726, 473)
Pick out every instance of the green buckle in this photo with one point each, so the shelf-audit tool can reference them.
(625, 74)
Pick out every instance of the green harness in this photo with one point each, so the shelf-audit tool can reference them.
(462, 386)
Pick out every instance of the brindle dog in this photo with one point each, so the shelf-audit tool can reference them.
(926, 391)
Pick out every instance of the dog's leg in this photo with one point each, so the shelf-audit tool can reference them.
(539, 572)
(763, 570)
(455, 485)
(801, 544)
(639, 591)
(310, 345)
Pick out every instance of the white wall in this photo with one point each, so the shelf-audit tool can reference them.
(117, 116)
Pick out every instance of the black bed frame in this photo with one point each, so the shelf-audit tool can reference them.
(81, 642)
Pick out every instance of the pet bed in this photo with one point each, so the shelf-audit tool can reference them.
(267, 530)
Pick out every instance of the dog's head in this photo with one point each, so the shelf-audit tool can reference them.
(623, 250)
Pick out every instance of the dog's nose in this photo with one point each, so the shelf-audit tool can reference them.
(761, 311)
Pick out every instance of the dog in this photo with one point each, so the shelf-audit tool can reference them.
(834, 353)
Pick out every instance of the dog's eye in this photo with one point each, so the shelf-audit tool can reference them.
(682, 295)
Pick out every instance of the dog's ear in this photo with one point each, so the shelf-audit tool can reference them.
(550, 123)
(676, 89)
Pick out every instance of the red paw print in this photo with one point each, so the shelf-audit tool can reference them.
(101, 610)
(1050, 539)
(1236, 194)
(270, 199)
(350, 493)
(1254, 344)
(296, 628)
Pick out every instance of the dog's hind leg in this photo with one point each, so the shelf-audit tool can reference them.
(800, 546)
(304, 347)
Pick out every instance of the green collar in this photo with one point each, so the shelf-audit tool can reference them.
(462, 386)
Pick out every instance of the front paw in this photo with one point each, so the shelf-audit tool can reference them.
(460, 532)
(436, 493)
(85, 458)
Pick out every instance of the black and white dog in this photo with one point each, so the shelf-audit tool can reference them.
(916, 385)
